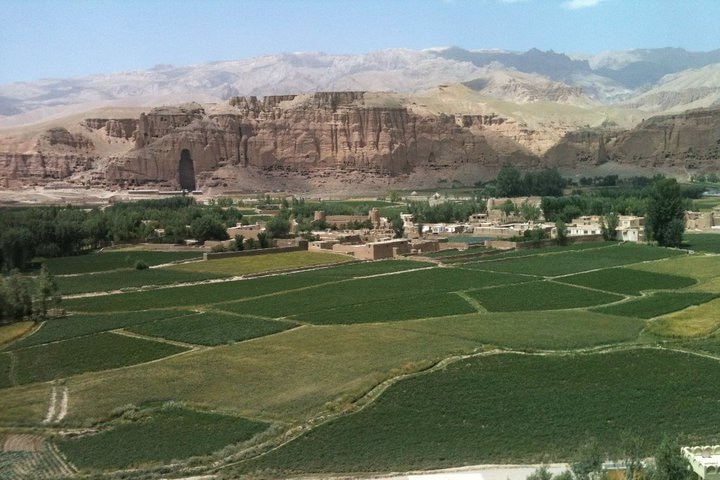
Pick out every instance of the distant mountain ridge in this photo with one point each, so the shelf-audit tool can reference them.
(611, 78)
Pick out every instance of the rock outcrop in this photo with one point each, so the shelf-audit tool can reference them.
(351, 138)
(319, 131)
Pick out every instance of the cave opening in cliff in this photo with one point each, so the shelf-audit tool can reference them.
(187, 171)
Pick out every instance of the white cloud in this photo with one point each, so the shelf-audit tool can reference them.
(511, 1)
(578, 4)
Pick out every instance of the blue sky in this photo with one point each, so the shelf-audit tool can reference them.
(66, 38)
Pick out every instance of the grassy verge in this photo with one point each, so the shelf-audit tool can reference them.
(8, 333)
(694, 321)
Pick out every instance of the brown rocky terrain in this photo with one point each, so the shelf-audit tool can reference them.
(349, 141)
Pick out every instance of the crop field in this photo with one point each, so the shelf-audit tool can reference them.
(564, 263)
(121, 279)
(627, 280)
(211, 328)
(86, 354)
(261, 263)
(518, 357)
(553, 330)
(659, 303)
(78, 325)
(693, 321)
(158, 436)
(510, 409)
(391, 309)
(703, 242)
(229, 291)
(539, 295)
(368, 290)
(100, 262)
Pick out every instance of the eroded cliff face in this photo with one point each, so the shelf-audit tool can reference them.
(304, 133)
(351, 138)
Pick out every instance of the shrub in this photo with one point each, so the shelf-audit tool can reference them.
(140, 265)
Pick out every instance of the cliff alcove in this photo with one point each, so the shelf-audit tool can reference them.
(187, 171)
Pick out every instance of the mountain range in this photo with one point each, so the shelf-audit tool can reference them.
(650, 80)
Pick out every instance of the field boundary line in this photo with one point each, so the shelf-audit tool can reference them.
(471, 301)
(140, 336)
(624, 295)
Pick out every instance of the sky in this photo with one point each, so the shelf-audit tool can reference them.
(72, 38)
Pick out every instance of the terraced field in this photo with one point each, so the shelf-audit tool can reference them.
(379, 366)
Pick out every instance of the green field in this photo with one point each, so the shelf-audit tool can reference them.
(114, 260)
(511, 409)
(369, 291)
(262, 263)
(702, 242)
(120, 279)
(292, 351)
(158, 436)
(211, 328)
(539, 295)
(86, 354)
(627, 280)
(659, 303)
(229, 291)
(575, 261)
(79, 325)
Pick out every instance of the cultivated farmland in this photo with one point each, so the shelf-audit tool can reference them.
(375, 366)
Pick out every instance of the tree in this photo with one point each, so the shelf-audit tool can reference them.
(263, 239)
(507, 207)
(670, 463)
(46, 293)
(398, 225)
(509, 182)
(633, 447)
(608, 225)
(239, 239)
(561, 230)
(541, 473)
(665, 213)
(277, 227)
(207, 227)
(588, 460)
(529, 211)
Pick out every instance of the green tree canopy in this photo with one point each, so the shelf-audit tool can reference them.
(665, 212)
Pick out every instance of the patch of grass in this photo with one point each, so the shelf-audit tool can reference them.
(393, 309)
(119, 279)
(557, 330)
(8, 333)
(109, 260)
(539, 295)
(575, 261)
(86, 354)
(699, 267)
(514, 408)
(262, 263)
(693, 321)
(211, 328)
(627, 281)
(286, 377)
(5, 370)
(703, 242)
(160, 436)
(659, 303)
(709, 345)
(79, 325)
(370, 290)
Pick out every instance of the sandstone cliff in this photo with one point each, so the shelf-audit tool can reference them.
(309, 142)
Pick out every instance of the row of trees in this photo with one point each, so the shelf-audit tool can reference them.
(24, 297)
(510, 182)
(63, 231)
